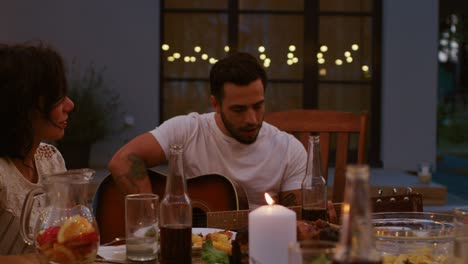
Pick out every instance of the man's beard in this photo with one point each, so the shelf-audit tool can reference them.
(235, 132)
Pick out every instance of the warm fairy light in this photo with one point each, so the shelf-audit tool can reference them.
(323, 72)
(323, 48)
(269, 200)
(345, 208)
(204, 56)
(267, 60)
(261, 49)
(321, 61)
(165, 47)
(266, 65)
(186, 58)
(349, 59)
(338, 62)
(213, 60)
(292, 48)
(365, 68)
(347, 54)
(197, 48)
(176, 55)
(290, 55)
(226, 48)
(193, 59)
(295, 59)
(262, 56)
(170, 58)
(290, 62)
(319, 55)
(354, 47)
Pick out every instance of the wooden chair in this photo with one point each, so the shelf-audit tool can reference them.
(327, 123)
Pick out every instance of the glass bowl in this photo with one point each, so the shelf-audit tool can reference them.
(414, 237)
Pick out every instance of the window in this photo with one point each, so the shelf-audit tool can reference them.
(317, 53)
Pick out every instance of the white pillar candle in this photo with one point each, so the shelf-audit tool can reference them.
(271, 228)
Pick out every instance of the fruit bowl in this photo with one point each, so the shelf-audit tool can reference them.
(414, 237)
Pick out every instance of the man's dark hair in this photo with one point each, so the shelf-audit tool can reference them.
(239, 68)
(31, 75)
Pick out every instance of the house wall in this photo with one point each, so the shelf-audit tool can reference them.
(121, 35)
(409, 83)
(124, 36)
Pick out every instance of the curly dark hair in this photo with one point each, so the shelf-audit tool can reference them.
(239, 68)
(32, 79)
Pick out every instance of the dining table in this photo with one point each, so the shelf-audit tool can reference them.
(33, 259)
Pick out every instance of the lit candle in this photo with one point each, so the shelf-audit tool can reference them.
(271, 228)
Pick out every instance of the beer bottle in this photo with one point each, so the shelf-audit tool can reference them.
(175, 221)
(314, 187)
(356, 244)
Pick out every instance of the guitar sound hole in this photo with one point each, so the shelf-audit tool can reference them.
(198, 217)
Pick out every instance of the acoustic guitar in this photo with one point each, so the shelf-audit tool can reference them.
(209, 193)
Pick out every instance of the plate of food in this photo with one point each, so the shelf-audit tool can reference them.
(220, 238)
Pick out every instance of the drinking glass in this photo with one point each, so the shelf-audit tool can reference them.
(311, 251)
(141, 226)
(461, 234)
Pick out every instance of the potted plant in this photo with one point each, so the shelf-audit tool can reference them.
(91, 119)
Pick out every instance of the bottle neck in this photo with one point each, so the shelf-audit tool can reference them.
(314, 165)
(176, 184)
(357, 234)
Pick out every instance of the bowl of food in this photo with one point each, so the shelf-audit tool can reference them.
(414, 237)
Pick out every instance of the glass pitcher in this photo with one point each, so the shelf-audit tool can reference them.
(66, 230)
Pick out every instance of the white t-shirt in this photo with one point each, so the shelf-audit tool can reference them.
(275, 162)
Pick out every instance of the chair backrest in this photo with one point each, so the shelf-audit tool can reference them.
(327, 123)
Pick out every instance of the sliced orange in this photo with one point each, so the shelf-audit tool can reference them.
(61, 254)
(73, 227)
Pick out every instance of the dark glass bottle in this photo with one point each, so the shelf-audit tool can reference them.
(175, 215)
(314, 186)
(356, 243)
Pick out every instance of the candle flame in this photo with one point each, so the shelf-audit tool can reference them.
(269, 200)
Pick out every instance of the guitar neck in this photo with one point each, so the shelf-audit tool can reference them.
(234, 220)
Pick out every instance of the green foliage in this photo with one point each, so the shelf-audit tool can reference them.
(95, 106)
(212, 255)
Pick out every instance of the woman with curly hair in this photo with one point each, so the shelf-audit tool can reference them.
(34, 108)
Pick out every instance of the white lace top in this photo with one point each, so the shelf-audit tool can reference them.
(13, 190)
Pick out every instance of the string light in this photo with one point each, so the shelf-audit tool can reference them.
(365, 68)
(176, 55)
(292, 48)
(347, 53)
(338, 62)
(226, 48)
(319, 55)
(187, 59)
(289, 62)
(170, 58)
(290, 55)
(165, 47)
(323, 48)
(295, 59)
(323, 72)
(321, 61)
(213, 60)
(261, 49)
(204, 56)
(193, 59)
(349, 59)
(355, 47)
(197, 49)
(262, 56)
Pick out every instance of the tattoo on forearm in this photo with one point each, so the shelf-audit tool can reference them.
(288, 199)
(137, 167)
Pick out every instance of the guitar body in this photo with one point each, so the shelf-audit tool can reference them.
(209, 193)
